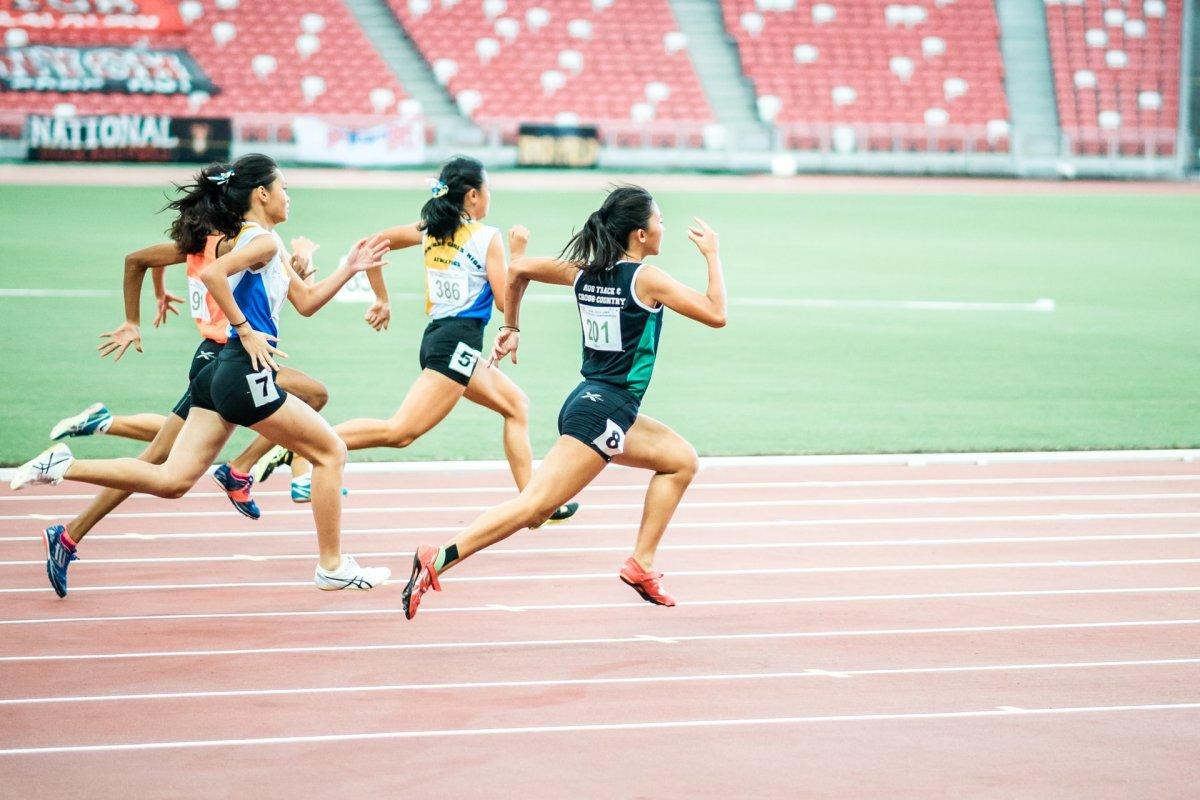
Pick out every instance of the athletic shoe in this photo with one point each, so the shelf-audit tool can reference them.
(96, 418)
(49, 467)
(349, 575)
(423, 578)
(565, 511)
(302, 489)
(647, 584)
(58, 558)
(237, 490)
(275, 458)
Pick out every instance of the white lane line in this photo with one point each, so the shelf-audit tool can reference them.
(1005, 711)
(811, 672)
(631, 525)
(698, 486)
(697, 573)
(527, 551)
(738, 504)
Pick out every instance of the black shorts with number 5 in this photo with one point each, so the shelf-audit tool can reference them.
(599, 415)
(452, 346)
(236, 391)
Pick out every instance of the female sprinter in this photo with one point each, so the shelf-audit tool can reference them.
(61, 540)
(249, 284)
(620, 300)
(464, 265)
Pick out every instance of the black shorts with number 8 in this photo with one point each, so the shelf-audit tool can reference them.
(231, 387)
(599, 415)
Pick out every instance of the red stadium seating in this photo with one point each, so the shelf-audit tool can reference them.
(1116, 72)
(625, 53)
(893, 71)
(346, 61)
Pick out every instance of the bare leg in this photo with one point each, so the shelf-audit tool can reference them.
(427, 403)
(305, 432)
(567, 469)
(491, 388)
(202, 437)
(308, 389)
(142, 427)
(652, 445)
(109, 499)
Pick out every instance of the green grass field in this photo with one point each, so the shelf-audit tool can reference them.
(1115, 365)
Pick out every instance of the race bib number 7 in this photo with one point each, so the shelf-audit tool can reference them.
(262, 387)
(198, 299)
(447, 287)
(601, 328)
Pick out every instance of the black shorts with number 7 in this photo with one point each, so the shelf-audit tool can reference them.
(236, 391)
(599, 415)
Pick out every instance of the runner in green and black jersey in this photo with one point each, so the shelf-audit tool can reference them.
(620, 300)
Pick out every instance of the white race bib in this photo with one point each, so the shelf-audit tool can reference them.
(198, 299)
(447, 287)
(262, 387)
(601, 327)
(612, 441)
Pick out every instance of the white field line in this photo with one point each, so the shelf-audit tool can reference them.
(1040, 305)
(811, 672)
(526, 551)
(629, 526)
(641, 487)
(740, 504)
(494, 607)
(1003, 711)
(605, 576)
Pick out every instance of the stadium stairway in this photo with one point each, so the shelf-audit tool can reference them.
(1029, 80)
(719, 68)
(401, 55)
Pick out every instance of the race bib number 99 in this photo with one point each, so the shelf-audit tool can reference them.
(198, 299)
(447, 287)
(601, 328)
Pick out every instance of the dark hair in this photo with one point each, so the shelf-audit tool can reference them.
(217, 200)
(443, 215)
(605, 235)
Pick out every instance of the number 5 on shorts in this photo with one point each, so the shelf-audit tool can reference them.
(262, 387)
(612, 441)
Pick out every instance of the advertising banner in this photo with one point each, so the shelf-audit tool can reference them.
(128, 137)
(388, 144)
(50, 68)
(157, 16)
(557, 146)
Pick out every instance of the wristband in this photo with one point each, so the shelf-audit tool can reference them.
(512, 328)
(239, 324)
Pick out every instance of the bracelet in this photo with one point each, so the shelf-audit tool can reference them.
(239, 324)
(512, 328)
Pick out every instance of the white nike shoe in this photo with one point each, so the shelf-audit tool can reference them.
(49, 467)
(349, 575)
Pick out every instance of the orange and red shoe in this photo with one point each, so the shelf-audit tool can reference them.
(647, 584)
(423, 578)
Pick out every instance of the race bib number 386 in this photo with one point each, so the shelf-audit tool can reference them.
(447, 287)
(601, 328)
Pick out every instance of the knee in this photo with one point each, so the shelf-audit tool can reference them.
(688, 463)
(535, 510)
(398, 436)
(176, 487)
(334, 455)
(519, 410)
(318, 398)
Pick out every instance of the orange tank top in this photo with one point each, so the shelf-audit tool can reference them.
(205, 311)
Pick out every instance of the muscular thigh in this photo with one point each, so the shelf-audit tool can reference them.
(200, 440)
(492, 389)
(652, 445)
(304, 386)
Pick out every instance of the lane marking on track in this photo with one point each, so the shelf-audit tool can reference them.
(593, 727)
(596, 576)
(812, 672)
(699, 486)
(528, 551)
(738, 504)
(632, 525)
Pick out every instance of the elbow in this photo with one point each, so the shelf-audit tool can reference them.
(306, 309)
(133, 263)
(717, 320)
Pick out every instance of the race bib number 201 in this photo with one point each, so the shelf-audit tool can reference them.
(601, 328)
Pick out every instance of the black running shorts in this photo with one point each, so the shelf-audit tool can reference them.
(452, 346)
(206, 354)
(236, 391)
(599, 415)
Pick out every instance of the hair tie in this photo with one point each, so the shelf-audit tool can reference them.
(437, 188)
(222, 179)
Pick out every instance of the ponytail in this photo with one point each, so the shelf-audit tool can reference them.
(605, 236)
(443, 212)
(217, 200)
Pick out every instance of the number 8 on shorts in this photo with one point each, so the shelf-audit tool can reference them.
(612, 441)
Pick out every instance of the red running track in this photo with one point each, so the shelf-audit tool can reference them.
(951, 630)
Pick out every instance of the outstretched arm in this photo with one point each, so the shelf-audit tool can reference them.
(380, 313)
(136, 263)
(309, 298)
(656, 287)
(520, 272)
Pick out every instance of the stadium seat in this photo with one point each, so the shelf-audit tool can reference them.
(1116, 73)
